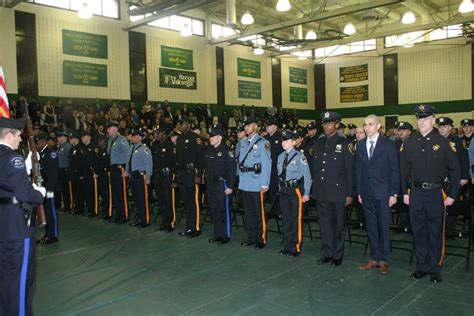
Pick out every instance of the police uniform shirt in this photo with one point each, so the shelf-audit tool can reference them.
(141, 160)
(296, 169)
(89, 157)
(429, 159)
(463, 156)
(275, 146)
(76, 163)
(49, 161)
(63, 154)
(258, 149)
(119, 150)
(219, 162)
(189, 150)
(102, 160)
(163, 155)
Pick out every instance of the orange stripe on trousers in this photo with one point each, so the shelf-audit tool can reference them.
(300, 217)
(124, 187)
(96, 198)
(264, 223)
(441, 260)
(71, 199)
(196, 195)
(110, 196)
(173, 207)
(147, 212)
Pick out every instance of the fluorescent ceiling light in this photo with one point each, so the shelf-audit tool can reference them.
(247, 18)
(349, 29)
(258, 51)
(283, 5)
(466, 6)
(408, 18)
(84, 11)
(311, 35)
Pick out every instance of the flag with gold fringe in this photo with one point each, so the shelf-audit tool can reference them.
(4, 107)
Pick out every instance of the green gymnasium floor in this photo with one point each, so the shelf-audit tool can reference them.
(99, 268)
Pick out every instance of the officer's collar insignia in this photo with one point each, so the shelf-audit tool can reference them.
(186, 141)
(163, 150)
(421, 108)
(441, 120)
(219, 154)
(276, 142)
(199, 141)
(436, 147)
(453, 146)
(326, 115)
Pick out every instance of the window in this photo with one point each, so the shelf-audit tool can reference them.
(424, 36)
(220, 31)
(107, 8)
(173, 22)
(337, 50)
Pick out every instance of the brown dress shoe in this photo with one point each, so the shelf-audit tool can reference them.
(383, 267)
(371, 264)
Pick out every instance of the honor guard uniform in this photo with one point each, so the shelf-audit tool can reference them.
(102, 167)
(467, 127)
(275, 150)
(427, 162)
(49, 162)
(119, 151)
(65, 182)
(17, 224)
(189, 154)
(220, 170)
(254, 169)
(333, 186)
(163, 165)
(89, 182)
(76, 172)
(140, 168)
(294, 180)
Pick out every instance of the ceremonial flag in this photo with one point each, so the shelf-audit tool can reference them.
(4, 107)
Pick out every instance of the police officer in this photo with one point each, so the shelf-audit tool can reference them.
(311, 135)
(333, 186)
(220, 171)
(89, 182)
(102, 167)
(64, 181)
(426, 160)
(293, 177)
(49, 162)
(17, 231)
(140, 168)
(274, 138)
(351, 132)
(254, 169)
(163, 165)
(189, 154)
(76, 172)
(118, 150)
(467, 128)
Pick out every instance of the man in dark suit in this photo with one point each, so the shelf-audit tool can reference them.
(377, 183)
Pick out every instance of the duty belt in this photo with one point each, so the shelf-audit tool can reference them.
(8, 200)
(292, 184)
(214, 179)
(187, 167)
(427, 185)
(117, 166)
(165, 171)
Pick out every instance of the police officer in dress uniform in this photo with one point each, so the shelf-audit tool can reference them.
(333, 186)
(49, 162)
(163, 165)
(89, 182)
(254, 169)
(427, 161)
(64, 181)
(467, 128)
(17, 226)
(76, 172)
(189, 155)
(140, 168)
(220, 171)
(102, 168)
(274, 138)
(294, 176)
(119, 151)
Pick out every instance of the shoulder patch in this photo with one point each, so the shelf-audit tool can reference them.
(267, 146)
(96, 150)
(124, 141)
(303, 160)
(453, 146)
(350, 146)
(147, 151)
(17, 163)
(54, 155)
(199, 141)
(464, 144)
(231, 154)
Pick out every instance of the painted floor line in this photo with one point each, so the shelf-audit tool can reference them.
(393, 298)
(62, 253)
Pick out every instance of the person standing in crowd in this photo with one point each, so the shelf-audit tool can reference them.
(294, 177)
(254, 171)
(274, 138)
(351, 133)
(66, 196)
(333, 186)
(76, 172)
(89, 182)
(140, 167)
(102, 168)
(426, 160)
(119, 151)
(163, 165)
(189, 154)
(220, 170)
(467, 128)
(17, 231)
(377, 185)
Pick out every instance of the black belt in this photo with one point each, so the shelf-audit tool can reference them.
(138, 173)
(427, 185)
(292, 184)
(8, 200)
(117, 166)
(187, 167)
(215, 179)
(165, 172)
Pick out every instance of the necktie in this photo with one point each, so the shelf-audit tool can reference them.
(285, 163)
(371, 149)
(130, 161)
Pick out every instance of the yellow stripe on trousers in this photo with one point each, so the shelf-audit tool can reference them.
(300, 217)
(196, 196)
(264, 223)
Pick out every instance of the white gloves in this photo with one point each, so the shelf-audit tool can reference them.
(29, 162)
(39, 189)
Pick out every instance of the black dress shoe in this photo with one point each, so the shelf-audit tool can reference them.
(112, 220)
(215, 239)
(142, 225)
(121, 221)
(294, 254)
(324, 260)
(40, 241)
(50, 241)
(260, 245)
(225, 240)
(186, 232)
(91, 215)
(336, 262)
(418, 274)
(284, 252)
(436, 278)
(194, 234)
(135, 223)
(162, 227)
(105, 217)
(169, 229)
(247, 243)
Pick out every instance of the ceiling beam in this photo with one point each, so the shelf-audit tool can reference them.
(319, 17)
(10, 3)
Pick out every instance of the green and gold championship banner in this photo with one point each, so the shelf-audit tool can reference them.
(84, 44)
(353, 73)
(299, 95)
(248, 68)
(250, 90)
(173, 57)
(178, 79)
(84, 74)
(354, 94)
(298, 75)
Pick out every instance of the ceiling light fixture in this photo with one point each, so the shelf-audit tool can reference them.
(283, 5)
(258, 51)
(349, 29)
(186, 31)
(311, 35)
(84, 11)
(247, 18)
(466, 6)
(408, 18)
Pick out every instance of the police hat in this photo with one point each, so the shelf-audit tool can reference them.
(287, 134)
(248, 120)
(75, 135)
(138, 132)
(342, 125)
(404, 125)
(271, 121)
(351, 126)
(12, 123)
(299, 133)
(51, 138)
(444, 121)
(216, 130)
(467, 122)
(102, 137)
(40, 136)
(112, 124)
(163, 130)
(85, 133)
(424, 110)
(61, 134)
(330, 117)
(195, 127)
(174, 133)
(395, 125)
(239, 129)
(185, 119)
(311, 126)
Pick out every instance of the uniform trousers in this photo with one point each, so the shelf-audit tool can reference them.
(219, 207)
(140, 196)
(190, 196)
(254, 214)
(291, 207)
(119, 192)
(164, 193)
(332, 223)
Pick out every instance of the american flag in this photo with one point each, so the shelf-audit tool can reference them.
(4, 107)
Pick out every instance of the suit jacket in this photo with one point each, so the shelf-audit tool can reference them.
(378, 177)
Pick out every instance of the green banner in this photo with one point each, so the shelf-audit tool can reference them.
(84, 74)
(250, 90)
(353, 73)
(173, 57)
(298, 75)
(354, 94)
(248, 68)
(299, 95)
(177, 79)
(84, 44)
